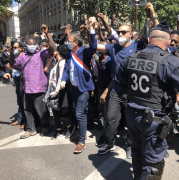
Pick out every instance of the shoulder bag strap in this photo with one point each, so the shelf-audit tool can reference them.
(26, 63)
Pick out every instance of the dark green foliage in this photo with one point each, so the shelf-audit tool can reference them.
(166, 9)
(4, 4)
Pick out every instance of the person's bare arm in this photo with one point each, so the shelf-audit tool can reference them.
(82, 28)
(98, 28)
(101, 48)
(47, 66)
(11, 58)
(106, 25)
(51, 43)
(10, 68)
(88, 36)
(152, 13)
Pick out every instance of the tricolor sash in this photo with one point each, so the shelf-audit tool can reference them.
(80, 65)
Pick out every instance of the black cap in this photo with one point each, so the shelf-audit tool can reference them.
(163, 26)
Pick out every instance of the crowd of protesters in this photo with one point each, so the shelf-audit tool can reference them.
(81, 68)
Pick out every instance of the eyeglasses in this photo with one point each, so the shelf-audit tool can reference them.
(123, 32)
(15, 47)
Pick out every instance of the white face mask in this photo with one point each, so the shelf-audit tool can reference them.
(42, 49)
(31, 48)
(122, 41)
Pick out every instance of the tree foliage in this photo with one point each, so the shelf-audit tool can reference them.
(4, 4)
(166, 9)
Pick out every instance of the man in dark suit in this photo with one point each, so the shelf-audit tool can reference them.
(77, 69)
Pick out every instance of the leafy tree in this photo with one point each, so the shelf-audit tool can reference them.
(4, 4)
(92, 7)
(166, 9)
(163, 9)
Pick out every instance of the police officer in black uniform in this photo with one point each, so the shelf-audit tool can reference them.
(151, 79)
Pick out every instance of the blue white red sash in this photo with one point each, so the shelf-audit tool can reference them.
(81, 66)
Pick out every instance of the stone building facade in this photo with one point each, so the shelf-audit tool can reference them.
(53, 13)
(14, 25)
(4, 28)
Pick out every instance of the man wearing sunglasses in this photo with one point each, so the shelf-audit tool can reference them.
(117, 101)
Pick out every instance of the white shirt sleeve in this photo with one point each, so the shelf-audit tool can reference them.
(61, 68)
(114, 35)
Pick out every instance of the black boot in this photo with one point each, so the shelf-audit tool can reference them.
(157, 171)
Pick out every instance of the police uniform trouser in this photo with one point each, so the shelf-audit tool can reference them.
(148, 149)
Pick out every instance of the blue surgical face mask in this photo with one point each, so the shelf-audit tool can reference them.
(16, 52)
(171, 49)
(69, 45)
(132, 41)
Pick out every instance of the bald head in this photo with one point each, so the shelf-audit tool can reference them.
(124, 28)
(160, 38)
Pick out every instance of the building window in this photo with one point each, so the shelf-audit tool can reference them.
(76, 14)
(65, 16)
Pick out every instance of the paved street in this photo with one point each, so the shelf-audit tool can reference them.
(40, 158)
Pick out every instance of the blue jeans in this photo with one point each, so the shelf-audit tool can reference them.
(148, 148)
(80, 100)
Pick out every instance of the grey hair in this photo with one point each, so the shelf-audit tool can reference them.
(77, 37)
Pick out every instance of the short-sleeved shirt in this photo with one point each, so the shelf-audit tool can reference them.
(104, 73)
(119, 53)
(35, 80)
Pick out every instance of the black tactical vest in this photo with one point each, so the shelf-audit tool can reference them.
(144, 86)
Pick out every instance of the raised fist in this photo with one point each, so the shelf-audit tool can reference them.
(68, 29)
(36, 35)
(82, 28)
(44, 28)
(92, 21)
(100, 15)
(151, 8)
